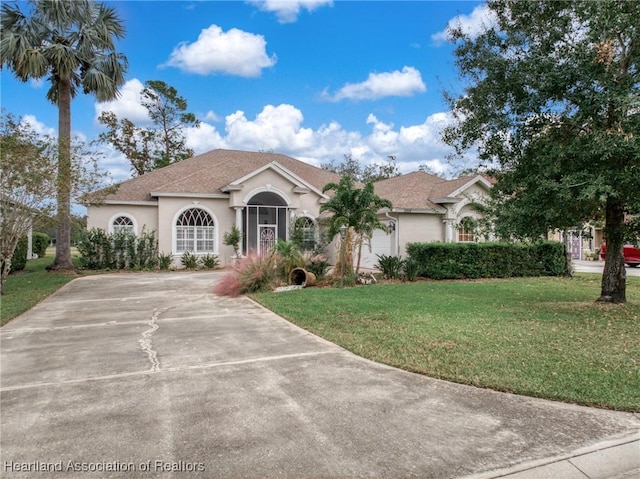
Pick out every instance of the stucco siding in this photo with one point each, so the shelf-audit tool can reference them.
(145, 217)
(419, 228)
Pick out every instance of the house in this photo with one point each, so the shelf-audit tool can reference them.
(191, 204)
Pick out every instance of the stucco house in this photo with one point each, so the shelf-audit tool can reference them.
(191, 204)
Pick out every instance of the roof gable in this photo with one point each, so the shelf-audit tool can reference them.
(210, 172)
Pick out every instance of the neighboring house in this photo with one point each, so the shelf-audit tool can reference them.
(191, 204)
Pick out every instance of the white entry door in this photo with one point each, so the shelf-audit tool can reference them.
(267, 238)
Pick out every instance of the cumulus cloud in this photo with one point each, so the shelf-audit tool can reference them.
(38, 127)
(280, 128)
(407, 82)
(472, 25)
(128, 104)
(287, 11)
(234, 52)
(274, 128)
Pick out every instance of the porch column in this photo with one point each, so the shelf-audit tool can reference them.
(239, 226)
(448, 230)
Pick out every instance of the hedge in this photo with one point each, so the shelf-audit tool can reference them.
(19, 259)
(487, 260)
(40, 244)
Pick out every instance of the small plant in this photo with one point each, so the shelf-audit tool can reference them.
(288, 256)
(189, 260)
(411, 269)
(232, 238)
(164, 261)
(391, 267)
(209, 261)
(318, 265)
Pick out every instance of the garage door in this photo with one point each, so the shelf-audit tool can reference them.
(380, 244)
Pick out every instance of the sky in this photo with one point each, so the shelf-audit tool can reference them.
(313, 79)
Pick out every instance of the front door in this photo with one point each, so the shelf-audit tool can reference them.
(268, 237)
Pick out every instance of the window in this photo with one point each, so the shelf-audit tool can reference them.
(195, 232)
(305, 233)
(466, 230)
(123, 223)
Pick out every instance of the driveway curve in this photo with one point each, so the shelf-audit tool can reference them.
(151, 375)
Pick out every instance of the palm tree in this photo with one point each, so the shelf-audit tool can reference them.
(356, 208)
(71, 41)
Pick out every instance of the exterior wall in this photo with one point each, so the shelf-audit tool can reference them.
(170, 207)
(144, 216)
(418, 228)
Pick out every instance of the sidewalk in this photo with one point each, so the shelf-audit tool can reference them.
(619, 459)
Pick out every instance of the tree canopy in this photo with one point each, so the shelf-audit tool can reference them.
(352, 168)
(28, 172)
(149, 148)
(73, 43)
(552, 104)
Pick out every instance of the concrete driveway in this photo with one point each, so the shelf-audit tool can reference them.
(150, 375)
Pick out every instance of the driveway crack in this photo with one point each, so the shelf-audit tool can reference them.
(146, 341)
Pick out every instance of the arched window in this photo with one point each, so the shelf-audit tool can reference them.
(305, 233)
(195, 232)
(466, 230)
(122, 223)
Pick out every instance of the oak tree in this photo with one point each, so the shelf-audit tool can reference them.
(552, 103)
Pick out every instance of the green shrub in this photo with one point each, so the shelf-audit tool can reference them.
(40, 243)
(164, 261)
(189, 260)
(120, 250)
(19, 259)
(411, 268)
(209, 261)
(390, 266)
(318, 265)
(288, 256)
(487, 260)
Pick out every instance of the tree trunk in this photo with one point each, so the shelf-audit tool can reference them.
(566, 235)
(614, 276)
(5, 265)
(344, 262)
(62, 260)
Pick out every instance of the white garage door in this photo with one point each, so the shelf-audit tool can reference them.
(380, 244)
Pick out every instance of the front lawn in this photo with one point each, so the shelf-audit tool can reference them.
(542, 337)
(24, 289)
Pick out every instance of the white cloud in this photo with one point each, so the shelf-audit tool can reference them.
(204, 138)
(38, 127)
(280, 128)
(232, 53)
(379, 85)
(472, 25)
(128, 104)
(275, 128)
(211, 116)
(287, 11)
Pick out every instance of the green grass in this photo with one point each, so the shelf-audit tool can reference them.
(541, 337)
(24, 289)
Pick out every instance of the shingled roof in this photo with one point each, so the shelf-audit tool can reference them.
(209, 172)
(420, 190)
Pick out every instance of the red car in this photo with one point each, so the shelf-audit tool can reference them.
(631, 254)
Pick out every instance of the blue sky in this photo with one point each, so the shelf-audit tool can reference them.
(314, 79)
